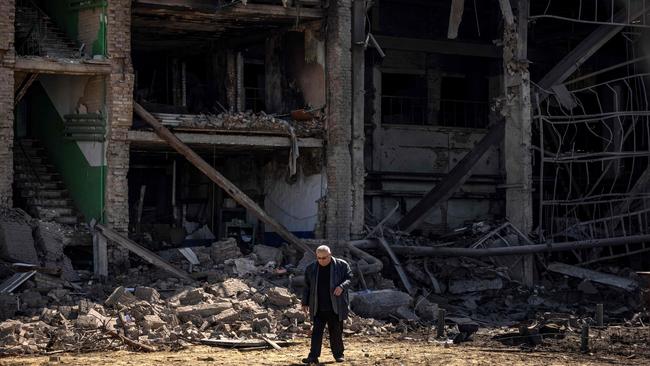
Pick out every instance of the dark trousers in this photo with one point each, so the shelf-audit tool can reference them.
(335, 326)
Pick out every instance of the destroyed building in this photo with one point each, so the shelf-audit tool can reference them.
(487, 128)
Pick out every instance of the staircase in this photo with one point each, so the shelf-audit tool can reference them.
(37, 35)
(39, 185)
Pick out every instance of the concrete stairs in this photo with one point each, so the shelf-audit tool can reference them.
(37, 35)
(40, 187)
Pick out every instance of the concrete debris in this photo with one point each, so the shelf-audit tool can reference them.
(378, 304)
(221, 251)
(280, 296)
(147, 294)
(464, 286)
(243, 121)
(266, 254)
(16, 242)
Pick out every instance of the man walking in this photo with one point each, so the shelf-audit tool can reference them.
(327, 281)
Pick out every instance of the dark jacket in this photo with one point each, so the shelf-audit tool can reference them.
(340, 276)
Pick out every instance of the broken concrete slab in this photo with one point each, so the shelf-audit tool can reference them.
(378, 304)
(594, 276)
(17, 243)
(279, 296)
(202, 310)
(229, 288)
(226, 316)
(147, 294)
(8, 306)
(152, 322)
(465, 286)
(266, 254)
(120, 296)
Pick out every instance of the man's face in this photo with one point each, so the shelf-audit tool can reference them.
(323, 258)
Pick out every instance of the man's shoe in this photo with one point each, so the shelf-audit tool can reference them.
(310, 361)
(339, 359)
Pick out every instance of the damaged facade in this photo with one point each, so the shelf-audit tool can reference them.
(516, 131)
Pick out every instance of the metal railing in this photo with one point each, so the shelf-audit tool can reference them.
(442, 112)
(404, 110)
(463, 113)
(28, 15)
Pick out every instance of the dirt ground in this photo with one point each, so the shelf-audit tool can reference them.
(364, 350)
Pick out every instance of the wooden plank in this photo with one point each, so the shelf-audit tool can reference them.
(24, 86)
(271, 343)
(448, 185)
(47, 66)
(219, 179)
(142, 252)
(100, 255)
(455, 17)
(583, 51)
(243, 343)
(598, 277)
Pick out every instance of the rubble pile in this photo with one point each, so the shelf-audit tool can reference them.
(245, 121)
(232, 309)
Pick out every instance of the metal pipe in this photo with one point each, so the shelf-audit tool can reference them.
(516, 250)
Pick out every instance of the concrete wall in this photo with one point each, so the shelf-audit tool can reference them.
(425, 154)
(7, 59)
(294, 204)
(81, 169)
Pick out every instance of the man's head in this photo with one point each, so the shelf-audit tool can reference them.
(323, 255)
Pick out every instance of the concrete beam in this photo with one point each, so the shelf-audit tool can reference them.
(226, 140)
(54, 66)
(442, 47)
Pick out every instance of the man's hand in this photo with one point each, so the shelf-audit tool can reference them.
(338, 291)
(305, 308)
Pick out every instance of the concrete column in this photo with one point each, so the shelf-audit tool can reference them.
(517, 140)
(339, 120)
(7, 60)
(358, 107)
(273, 74)
(120, 113)
(517, 112)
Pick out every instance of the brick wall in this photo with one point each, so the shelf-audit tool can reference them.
(93, 97)
(339, 121)
(120, 114)
(89, 24)
(7, 59)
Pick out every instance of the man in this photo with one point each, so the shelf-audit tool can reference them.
(327, 281)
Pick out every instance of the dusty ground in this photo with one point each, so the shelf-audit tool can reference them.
(364, 350)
